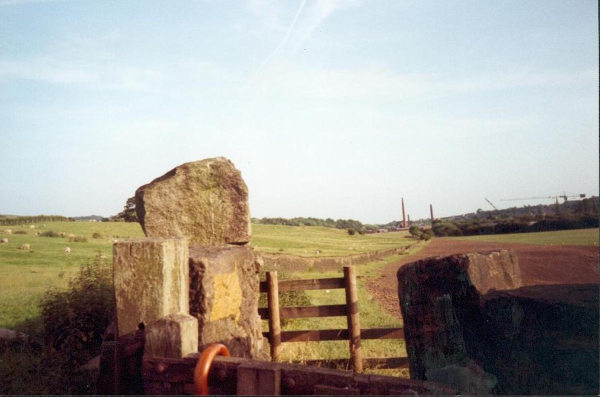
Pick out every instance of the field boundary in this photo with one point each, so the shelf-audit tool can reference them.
(288, 262)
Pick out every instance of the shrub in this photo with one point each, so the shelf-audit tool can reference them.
(361, 232)
(414, 230)
(75, 319)
(49, 233)
(19, 232)
(78, 239)
(351, 231)
(96, 235)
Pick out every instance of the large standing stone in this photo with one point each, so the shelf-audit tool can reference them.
(224, 288)
(440, 303)
(151, 278)
(206, 201)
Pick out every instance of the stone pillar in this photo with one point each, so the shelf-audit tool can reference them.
(151, 280)
(224, 288)
(173, 336)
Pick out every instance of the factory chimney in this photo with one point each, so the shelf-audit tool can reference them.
(431, 210)
(403, 214)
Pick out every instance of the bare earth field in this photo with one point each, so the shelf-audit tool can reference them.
(565, 264)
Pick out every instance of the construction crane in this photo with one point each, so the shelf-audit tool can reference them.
(491, 204)
(563, 196)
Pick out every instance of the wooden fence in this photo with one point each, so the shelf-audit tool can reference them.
(354, 334)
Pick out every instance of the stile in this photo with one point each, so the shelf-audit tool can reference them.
(274, 322)
(353, 318)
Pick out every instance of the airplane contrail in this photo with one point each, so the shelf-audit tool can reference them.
(266, 61)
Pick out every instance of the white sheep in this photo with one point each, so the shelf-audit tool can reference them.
(8, 231)
(62, 234)
(32, 227)
(4, 241)
(67, 250)
(24, 247)
(71, 236)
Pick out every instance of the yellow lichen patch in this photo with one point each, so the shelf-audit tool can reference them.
(228, 296)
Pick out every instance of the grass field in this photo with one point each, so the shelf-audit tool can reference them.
(26, 274)
(563, 237)
(304, 240)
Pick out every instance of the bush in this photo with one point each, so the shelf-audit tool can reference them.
(75, 319)
(78, 239)
(361, 232)
(351, 232)
(19, 232)
(96, 235)
(49, 233)
(414, 230)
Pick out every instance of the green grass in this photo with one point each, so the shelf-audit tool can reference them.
(305, 240)
(563, 237)
(26, 275)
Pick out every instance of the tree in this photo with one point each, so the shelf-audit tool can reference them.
(128, 214)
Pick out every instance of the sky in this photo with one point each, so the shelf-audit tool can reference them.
(330, 109)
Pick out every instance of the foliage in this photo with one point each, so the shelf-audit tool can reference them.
(20, 220)
(96, 235)
(300, 221)
(75, 319)
(351, 232)
(20, 232)
(128, 214)
(78, 239)
(72, 323)
(564, 221)
(414, 230)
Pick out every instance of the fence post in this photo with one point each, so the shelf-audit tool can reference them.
(274, 322)
(353, 318)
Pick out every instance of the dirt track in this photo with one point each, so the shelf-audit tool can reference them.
(567, 264)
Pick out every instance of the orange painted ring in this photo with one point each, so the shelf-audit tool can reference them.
(203, 367)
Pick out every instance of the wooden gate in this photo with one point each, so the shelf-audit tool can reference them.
(353, 333)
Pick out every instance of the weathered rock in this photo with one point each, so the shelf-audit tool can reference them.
(151, 280)
(440, 303)
(206, 201)
(224, 297)
(543, 339)
(173, 336)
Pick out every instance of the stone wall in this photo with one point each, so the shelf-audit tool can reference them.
(470, 324)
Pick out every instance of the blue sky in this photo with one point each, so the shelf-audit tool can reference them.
(329, 108)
